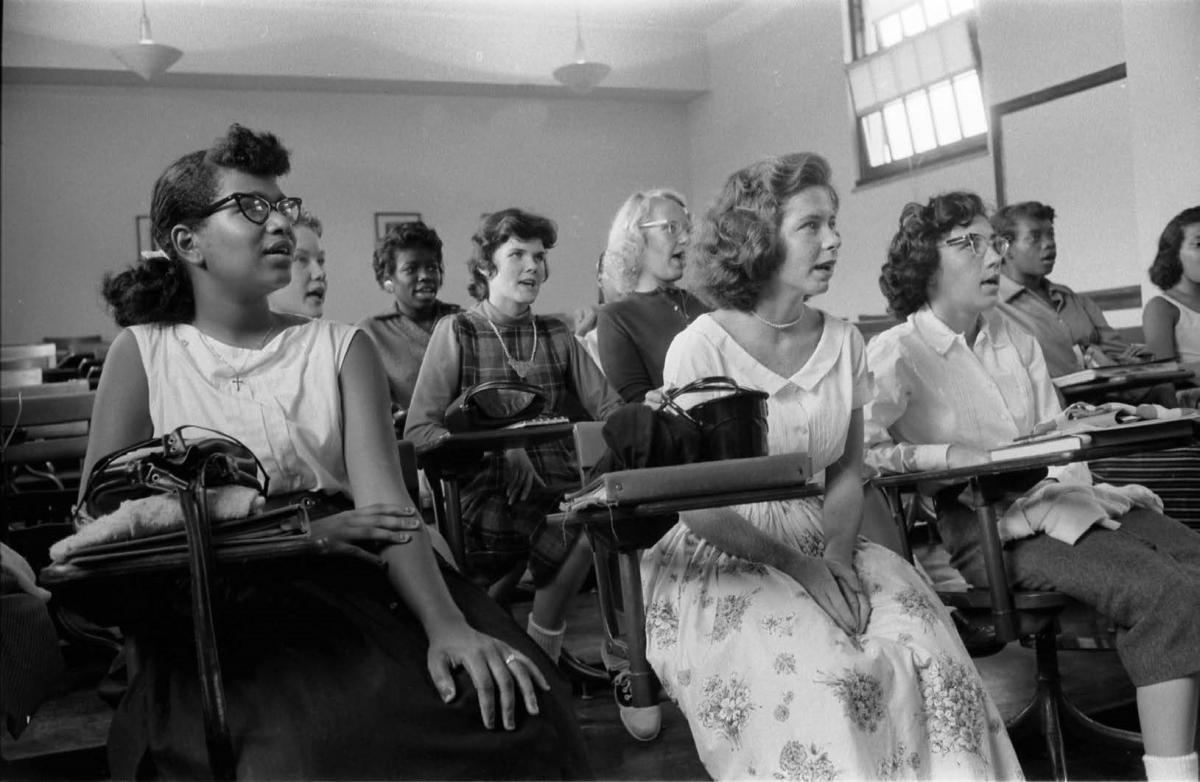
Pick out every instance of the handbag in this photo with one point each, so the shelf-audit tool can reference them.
(731, 426)
(494, 405)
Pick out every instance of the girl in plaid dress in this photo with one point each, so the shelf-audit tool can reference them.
(506, 502)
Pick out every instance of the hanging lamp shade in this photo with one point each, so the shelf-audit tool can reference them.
(582, 75)
(147, 58)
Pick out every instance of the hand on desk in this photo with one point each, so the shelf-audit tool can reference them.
(372, 527)
(491, 664)
(520, 474)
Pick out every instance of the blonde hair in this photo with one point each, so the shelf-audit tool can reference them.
(622, 260)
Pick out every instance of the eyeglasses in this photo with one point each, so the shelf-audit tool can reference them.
(674, 228)
(257, 209)
(979, 243)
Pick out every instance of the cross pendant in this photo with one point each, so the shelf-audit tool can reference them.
(237, 382)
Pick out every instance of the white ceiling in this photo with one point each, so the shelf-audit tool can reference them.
(655, 47)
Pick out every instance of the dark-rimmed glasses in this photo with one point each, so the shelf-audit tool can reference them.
(979, 243)
(674, 228)
(257, 209)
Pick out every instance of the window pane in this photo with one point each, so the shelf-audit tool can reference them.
(913, 21)
(876, 142)
(921, 122)
(945, 112)
(896, 121)
(970, 104)
(936, 12)
(891, 32)
(961, 6)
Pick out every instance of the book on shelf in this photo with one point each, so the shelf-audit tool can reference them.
(1149, 369)
(623, 487)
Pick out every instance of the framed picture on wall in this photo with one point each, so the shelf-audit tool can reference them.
(145, 238)
(385, 220)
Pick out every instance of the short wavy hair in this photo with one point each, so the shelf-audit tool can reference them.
(1004, 221)
(736, 249)
(1167, 270)
(622, 261)
(496, 229)
(413, 235)
(309, 220)
(913, 257)
(158, 289)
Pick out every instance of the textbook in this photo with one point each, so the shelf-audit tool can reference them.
(1106, 425)
(626, 487)
(1047, 444)
(1149, 369)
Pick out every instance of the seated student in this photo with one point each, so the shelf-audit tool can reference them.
(795, 648)
(955, 379)
(323, 680)
(305, 294)
(1070, 328)
(504, 505)
(643, 262)
(1171, 322)
(408, 266)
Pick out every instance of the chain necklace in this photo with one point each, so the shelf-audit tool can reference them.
(779, 326)
(522, 368)
(237, 380)
(679, 306)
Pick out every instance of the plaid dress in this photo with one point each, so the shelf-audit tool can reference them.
(491, 523)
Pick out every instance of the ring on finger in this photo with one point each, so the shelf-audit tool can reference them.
(510, 658)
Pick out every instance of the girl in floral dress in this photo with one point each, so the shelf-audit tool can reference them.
(796, 649)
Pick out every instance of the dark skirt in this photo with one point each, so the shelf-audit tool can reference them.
(326, 678)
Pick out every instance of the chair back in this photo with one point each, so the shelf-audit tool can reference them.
(40, 428)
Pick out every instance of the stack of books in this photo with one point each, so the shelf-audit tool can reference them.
(1146, 370)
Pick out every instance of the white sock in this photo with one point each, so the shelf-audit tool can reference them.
(1174, 768)
(551, 641)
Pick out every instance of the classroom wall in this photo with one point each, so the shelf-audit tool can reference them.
(778, 85)
(79, 163)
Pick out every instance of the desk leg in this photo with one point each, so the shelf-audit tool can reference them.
(1003, 616)
(452, 522)
(641, 677)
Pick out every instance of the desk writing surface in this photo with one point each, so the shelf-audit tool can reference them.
(1126, 382)
(490, 440)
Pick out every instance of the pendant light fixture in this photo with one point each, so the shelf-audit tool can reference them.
(147, 58)
(582, 75)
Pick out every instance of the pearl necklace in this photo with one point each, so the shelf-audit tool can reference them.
(237, 380)
(522, 368)
(779, 326)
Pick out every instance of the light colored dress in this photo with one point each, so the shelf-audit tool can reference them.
(771, 687)
(1187, 330)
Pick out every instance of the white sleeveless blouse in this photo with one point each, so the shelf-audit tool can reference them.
(282, 401)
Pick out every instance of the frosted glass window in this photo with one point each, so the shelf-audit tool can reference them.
(945, 112)
(912, 19)
(896, 121)
(891, 31)
(936, 12)
(970, 104)
(920, 121)
(876, 141)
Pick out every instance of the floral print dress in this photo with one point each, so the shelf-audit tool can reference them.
(771, 687)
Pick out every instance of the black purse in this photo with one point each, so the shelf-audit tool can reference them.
(732, 426)
(494, 405)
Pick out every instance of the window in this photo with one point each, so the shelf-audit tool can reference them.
(914, 84)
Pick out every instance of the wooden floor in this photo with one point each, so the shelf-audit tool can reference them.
(73, 725)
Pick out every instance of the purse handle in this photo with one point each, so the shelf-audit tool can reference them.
(505, 385)
(711, 383)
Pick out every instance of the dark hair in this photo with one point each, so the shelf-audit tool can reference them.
(157, 289)
(405, 236)
(1167, 269)
(736, 248)
(913, 257)
(1004, 221)
(496, 229)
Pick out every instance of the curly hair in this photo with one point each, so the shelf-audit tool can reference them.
(913, 257)
(622, 262)
(736, 248)
(1167, 270)
(496, 229)
(157, 289)
(309, 220)
(1004, 221)
(405, 236)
